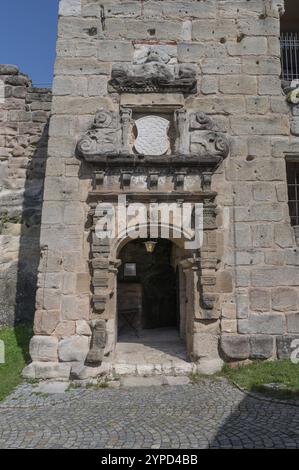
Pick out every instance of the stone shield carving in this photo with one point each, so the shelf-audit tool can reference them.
(152, 138)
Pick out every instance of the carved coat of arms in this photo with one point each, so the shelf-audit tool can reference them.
(152, 135)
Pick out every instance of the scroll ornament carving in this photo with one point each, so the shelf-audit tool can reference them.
(205, 138)
(104, 136)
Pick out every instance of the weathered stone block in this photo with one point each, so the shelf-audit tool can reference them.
(70, 7)
(115, 51)
(83, 328)
(260, 300)
(280, 276)
(74, 348)
(235, 347)
(45, 322)
(262, 236)
(252, 26)
(43, 348)
(285, 299)
(261, 347)
(224, 282)
(238, 85)
(292, 322)
(247, 46)
(51, 370)
(284, 235)
(210, 29)
(260, 125)
(65, 328)
(227, 66)
(257, 105)
(205, 346)
(262, 323)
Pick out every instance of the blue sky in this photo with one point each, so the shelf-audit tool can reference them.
(28, 36)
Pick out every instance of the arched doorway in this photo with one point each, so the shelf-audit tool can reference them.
(151, 301)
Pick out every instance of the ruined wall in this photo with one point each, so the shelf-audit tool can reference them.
(235, 46)
(24, 113)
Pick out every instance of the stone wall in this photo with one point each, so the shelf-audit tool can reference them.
(235, 47)
(24, 113)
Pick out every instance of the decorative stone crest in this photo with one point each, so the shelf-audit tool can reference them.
(154, 72)
(152, 138)
(111, 138)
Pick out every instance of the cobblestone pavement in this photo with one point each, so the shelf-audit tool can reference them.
(211, 413)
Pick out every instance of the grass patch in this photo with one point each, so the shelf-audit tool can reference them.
(97, 386)
(255, 376)
(16, 341)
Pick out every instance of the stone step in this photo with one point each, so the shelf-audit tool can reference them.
(144, 370)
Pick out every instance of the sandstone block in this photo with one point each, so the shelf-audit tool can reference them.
(83, 328)
(205, 346)
(70, 7)
(235, 347)
(285, 299)
(65, 328)
(209, 366)
(262, 236)
(261, 347)
(262, 323)
(251, 26)
(260, 125)
(280, 276)
(292, 322)
(115, 51)
(238, 85)
(74, 348)
(257, 105)
(248, 46)
(51, 370)
(260, 300)
(213, 30)
(227, 66)
(45, 322)
(43, 348)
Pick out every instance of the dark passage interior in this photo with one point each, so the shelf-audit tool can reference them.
(147, 286)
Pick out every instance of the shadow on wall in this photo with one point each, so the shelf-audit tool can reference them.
(29, 248)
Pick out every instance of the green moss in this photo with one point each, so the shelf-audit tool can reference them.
(16, 342)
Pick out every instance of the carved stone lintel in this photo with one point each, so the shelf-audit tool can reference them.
(98, 342)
